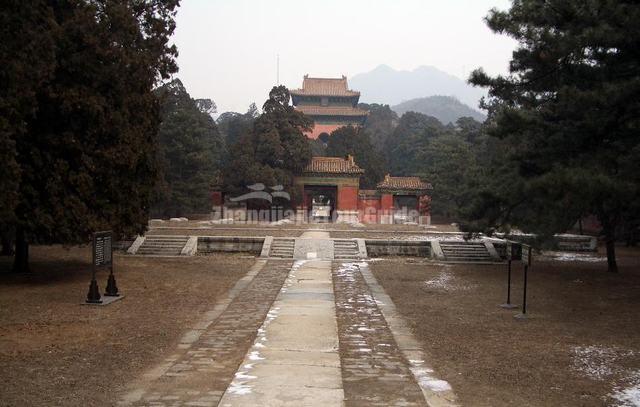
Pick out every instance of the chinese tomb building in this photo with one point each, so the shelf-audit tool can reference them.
(337, 181)
(330, 103)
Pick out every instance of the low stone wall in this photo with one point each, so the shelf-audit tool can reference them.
(565, 242)
(230, 244)
(380, 248)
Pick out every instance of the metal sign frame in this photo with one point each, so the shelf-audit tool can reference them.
(102, 256)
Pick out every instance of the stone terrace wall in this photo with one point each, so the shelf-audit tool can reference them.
(380, 248)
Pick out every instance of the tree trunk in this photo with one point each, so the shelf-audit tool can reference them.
(611, 254)
(7, 245)
(21, 260)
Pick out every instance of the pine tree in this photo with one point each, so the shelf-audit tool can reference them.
(273, 151)
(86, 155)
(190, 152)
(568, 117)
(349, 140)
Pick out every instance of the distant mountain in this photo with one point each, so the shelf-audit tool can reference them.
(386, 85)
(447, 109)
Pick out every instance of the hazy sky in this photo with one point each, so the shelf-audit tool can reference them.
(228, 48)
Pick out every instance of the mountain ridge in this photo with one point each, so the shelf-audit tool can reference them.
(386, 85)
(447, 109)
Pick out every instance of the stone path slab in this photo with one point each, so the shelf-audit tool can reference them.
(294, 361)
(374, 371)
(313, 244)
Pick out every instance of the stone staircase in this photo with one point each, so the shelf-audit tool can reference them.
(462, 251)
(282, 248)
(162, 245)
(344, 249)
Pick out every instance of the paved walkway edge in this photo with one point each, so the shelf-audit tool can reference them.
(437, 393)
(193, 334)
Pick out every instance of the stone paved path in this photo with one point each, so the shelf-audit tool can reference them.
(295, 360)
(199, 375)
(309, 333)
(374, 371)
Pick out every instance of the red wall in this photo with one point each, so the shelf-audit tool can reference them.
(347, 198)
(368, 210)
(386, 202)
(318, 129)
(216, 198)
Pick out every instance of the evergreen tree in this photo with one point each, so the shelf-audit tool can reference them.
(233, 125)
(355, 141)
(190, 152)
(411, 134)
(380, 123)
(568, 116)
(274, 151)
(86, 151)
(28, 61)
(451, 162)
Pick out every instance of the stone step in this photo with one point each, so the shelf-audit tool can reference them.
(474, 259)
(470, 257)
(460, 247)
(282, 248)
(163, 245)
(276, 251)
(483, 253)
(159, 252)
(471, 252)
(345, 249)
(483, 250)
(166, 239)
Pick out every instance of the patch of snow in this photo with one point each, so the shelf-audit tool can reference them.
(628, 396)
(178, 220)
(566, 256)
(244, 376)
(240, 389)
(436, 385)
(424, 378)
(281, 222)
(597, 362)
(442, 281)
(225, 221)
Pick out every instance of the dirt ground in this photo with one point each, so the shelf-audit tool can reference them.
(54, 351)
(580, 345)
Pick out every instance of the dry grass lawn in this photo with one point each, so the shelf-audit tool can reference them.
(580, 345)
(54, 351)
